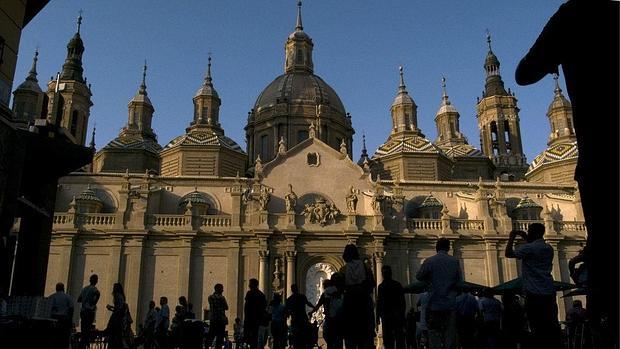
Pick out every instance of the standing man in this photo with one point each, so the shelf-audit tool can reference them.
(163, 323)
(217, 316)
(540, 305)
(254, 312)
(442, 272)
(296, 308)
(391, 310)
(89, 298)
(62, 311)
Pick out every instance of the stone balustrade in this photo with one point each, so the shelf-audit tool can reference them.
(421, 224)
(216, 221)
(467, 226)
(96, 219)
(170, 221)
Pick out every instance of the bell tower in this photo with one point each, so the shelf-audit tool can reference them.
(498, 121)
(69, 95)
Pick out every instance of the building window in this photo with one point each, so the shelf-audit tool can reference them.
(313, 159)
(302, 135)
(300, 57)
(264, 147)
(74, 123)
(44, 108)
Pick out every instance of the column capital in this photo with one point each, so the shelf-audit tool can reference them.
(379, 255)
(290, 254)
(263, 254)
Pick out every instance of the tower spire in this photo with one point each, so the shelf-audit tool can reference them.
(32, 75)
(92, 138)
(364, 156)
(208, 77)
(401, 87)
(299, 25)
(143, 85)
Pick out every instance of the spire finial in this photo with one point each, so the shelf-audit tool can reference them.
(364, 141)
(209, 68)
(32, 75)
(299, 26)
(489, 39)
(443, 88)
(557, 90)
(92, 138)
(79, 21)
(143, 85)
(401, 87)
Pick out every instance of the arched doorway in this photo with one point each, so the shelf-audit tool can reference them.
(314, 288)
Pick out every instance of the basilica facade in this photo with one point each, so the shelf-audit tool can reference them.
(176, 219)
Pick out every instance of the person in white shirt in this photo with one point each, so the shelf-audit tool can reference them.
(62, 312)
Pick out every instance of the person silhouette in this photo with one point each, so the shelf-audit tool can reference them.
(567, 42)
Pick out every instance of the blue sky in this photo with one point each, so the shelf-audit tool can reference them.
(358, 46)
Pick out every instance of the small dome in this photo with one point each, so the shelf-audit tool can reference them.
(526, 202)
(299, 34)
(559, 101)
(491, 60)
(204, 137)
(206, 90)
(134, 141)
(29, 85)
(76, 43)
(406, 144)
(555, 153)
(430, 201)
(299, 88)
(196, 198)
(403, 98)
(461, 150)
(88, 195)
(446, 108)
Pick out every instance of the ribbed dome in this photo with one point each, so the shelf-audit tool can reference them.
(195, 197)
(431, 201)
(88, 195)
(526, 202)
(299, 88)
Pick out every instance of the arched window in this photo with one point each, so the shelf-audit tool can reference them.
(300, 56)
(507, 136)
(74, 123)
(44, 108)
(60, 109)
(264, 147)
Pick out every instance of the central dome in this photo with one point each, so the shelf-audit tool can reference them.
(299, 88)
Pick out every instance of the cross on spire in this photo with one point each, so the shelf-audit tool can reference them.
(489, 39)
(79, 21)
(557, 89)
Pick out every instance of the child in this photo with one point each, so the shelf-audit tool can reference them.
(238, 334)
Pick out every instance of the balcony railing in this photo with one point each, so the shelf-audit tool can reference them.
(161, 221)
(97, 219)
(466, 226)
(216, 221)
(568, 227)
(423, 224)
(523, 224)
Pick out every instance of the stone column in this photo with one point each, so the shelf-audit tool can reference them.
(115, 259)
(557, 276)
(263, 270)
(65, 245)
(133, 264)
(290, 271)
(185, 250)
(492, 263)
(234, 287)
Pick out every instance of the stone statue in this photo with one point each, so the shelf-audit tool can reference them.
(321, 212)
(290, 199)
(258, 167)
(351, 200)
(343, 148)
(312, 131)
(282, 146)
(263, 199)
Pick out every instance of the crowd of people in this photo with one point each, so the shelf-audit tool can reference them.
(444, 316)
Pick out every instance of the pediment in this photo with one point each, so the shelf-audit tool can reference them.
(313, 167)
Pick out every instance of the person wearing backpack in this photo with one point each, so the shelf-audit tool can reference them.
(331, 301)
